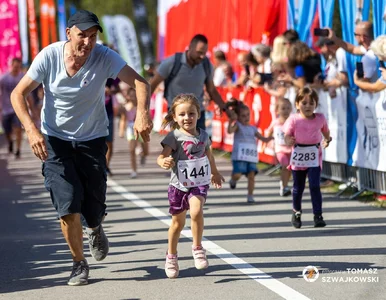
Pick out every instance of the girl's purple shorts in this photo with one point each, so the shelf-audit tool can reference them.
(179, 200)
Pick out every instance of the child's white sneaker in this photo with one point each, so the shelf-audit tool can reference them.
(171, 266)
(250, 199)
(200, 260)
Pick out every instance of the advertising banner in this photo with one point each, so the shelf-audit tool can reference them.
(9, 34)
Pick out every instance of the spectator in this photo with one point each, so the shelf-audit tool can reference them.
(291, 36)
(379, 48)
(279, 54)
(244, 69)
(305, 65)
(219, 75)
(336, 66)
(364, 36)
(227, 70)
(261, 54)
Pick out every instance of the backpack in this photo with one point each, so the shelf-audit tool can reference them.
(176, 68)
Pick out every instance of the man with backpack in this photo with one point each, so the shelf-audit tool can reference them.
(188, 72)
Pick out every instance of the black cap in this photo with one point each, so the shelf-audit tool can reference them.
(322, 41)
(84, 19)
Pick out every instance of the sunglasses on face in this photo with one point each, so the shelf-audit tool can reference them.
(361, 35)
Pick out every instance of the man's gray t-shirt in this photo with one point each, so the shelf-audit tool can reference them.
(74, 107)
(244, 134)
(188, 80)
(185, 147)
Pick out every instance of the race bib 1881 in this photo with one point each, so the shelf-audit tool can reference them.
(194, 172)
(305, 157)
(247, 152)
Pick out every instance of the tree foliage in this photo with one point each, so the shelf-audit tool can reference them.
(122, 7)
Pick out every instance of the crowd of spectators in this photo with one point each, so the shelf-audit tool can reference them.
(292, 63)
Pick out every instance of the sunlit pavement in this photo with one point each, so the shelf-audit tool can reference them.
(255, 253)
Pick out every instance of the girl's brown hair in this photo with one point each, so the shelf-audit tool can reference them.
(180, 99)
(307, 92)
(298, 53)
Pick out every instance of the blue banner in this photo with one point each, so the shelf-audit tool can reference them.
(72, 9)
(62, 20)
(291, 20)
(379, 17)
(301, 14)
(326, 12)
(307, 9)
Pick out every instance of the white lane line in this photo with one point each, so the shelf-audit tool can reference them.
(259, 276)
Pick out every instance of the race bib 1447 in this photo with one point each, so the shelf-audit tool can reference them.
(194, 172)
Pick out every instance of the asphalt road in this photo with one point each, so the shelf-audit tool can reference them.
(254, 252)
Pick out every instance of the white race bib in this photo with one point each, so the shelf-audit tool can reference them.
(278, 135)
(194, 172)
(305, 157)
(248, 152)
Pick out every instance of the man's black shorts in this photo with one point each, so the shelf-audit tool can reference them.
(75, 175)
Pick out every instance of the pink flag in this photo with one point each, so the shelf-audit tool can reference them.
(9, 33)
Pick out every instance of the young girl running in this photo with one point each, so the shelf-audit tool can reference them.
(127, 122)
(186, 150)
(244, 153)
(303, 131)
(282, 151)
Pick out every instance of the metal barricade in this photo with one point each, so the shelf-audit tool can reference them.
(360, 178)
(372, 180)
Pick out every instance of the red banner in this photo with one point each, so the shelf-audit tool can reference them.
(52, 21)
(33, 33)
(230, 25)
(9, 34)
(44, 22)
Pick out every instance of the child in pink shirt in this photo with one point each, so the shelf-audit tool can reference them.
(303, 131)
(282, 151)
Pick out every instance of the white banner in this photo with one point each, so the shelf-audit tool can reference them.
(371, 131)
(22, 5)
(110, 31)
(127, 42)
(335, 111)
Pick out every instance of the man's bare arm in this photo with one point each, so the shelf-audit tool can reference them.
(214, 94)
(356, 50)
(143, 124)
(141, 86)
